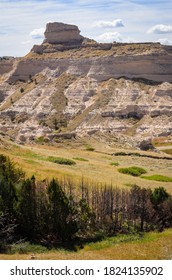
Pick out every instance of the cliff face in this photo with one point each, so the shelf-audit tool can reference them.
(73, 86)
(152, 67)
(6, 65)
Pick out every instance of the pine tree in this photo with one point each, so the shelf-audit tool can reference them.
(62, 219)
(27, 209)
(6, 232)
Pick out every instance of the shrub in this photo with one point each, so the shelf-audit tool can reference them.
(40, 140)
(114, 163)
(60, 160)
(159, 195)
(120, 154)
(89, 148)
(133, 171)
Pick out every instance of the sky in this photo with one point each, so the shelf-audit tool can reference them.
(22, 23)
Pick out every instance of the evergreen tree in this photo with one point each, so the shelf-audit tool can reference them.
(62, 216)
(159, 200)
(41, 211)
(27, 209)
(86, 218)
(7, 196)
(8, 170)
(159, 195)
(7, 229)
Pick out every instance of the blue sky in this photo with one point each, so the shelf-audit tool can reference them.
(22, 23)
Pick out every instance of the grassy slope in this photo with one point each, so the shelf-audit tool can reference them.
(97, 168)
(153, 246)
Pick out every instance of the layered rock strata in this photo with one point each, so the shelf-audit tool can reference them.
(71, 86)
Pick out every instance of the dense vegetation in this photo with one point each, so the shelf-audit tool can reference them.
(133, 170)
(53, 213)
(60, 160)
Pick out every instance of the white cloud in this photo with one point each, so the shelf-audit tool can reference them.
(138, 15)
(37, 33)
(165, 41)
(26, 42)
(109, 24)
(160, 29)
(109, 37)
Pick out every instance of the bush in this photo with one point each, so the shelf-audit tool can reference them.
(60, 160)
(89, 148)
(133, 171)
(114, 163)
(40, 140)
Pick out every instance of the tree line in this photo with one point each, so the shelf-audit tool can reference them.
(54, 212)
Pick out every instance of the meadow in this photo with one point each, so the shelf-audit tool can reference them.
(98, 166)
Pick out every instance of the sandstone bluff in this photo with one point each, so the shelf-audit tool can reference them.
(72, 86)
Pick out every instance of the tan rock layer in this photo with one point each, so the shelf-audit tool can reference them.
(60, 33)
(151, 67)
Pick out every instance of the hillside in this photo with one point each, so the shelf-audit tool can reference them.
(72, 87)
(86, 150)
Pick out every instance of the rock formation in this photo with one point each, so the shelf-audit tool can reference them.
(60, 33)
(59, 36)
(74, 86)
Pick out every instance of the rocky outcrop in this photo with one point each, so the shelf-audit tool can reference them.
(60, 33)
(59, 37)
(71, 87)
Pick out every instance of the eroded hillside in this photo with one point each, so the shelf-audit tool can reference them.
(74, 87)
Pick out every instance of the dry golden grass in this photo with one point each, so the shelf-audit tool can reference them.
(94, 51)
(97, 168)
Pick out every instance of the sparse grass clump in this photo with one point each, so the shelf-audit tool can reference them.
(89, 148)
(133, 171)
(80, 159)
(168, 151)
(40, 140)
(158, 177)
(60, 160)
(114, 163)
